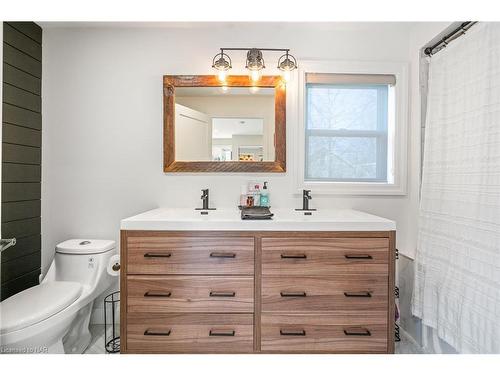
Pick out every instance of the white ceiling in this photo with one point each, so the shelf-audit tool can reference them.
(227, 127)
(283, 26)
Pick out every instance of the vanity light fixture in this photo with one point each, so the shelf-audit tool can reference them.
(286, 64)
(254, 63)
(221, 63)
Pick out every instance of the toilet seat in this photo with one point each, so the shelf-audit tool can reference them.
(36, 304)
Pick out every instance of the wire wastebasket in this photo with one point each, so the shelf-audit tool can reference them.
(112, 322)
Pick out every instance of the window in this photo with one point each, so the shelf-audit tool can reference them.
(346, 127)
(353, 131)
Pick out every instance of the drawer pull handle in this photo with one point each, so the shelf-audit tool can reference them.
(222, 294)
(293, 294)
(221, 333)
(358, 294)
(149, 332)
(157, 255)
(356, 256)
(357, 332)
(293, 256)
(158, 294)
(222, 255)
(287, 332)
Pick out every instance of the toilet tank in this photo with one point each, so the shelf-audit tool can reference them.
(82, 261)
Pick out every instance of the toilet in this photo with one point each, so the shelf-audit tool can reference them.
(54, 316)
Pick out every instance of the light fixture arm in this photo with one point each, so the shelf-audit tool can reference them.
(260, 49)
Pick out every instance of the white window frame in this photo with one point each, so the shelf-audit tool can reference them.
(398, 161)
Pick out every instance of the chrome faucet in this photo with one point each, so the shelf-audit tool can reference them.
(204, 199)
(306, 196)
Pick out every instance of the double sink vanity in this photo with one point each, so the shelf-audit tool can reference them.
(213, 283)
(206, 281)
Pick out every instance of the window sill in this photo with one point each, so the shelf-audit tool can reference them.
(352, 188)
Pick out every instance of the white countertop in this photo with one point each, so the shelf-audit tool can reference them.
(283, 220)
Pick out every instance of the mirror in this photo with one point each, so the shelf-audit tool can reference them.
(234, 124)
(235, 128)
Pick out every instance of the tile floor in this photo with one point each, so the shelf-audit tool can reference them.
(405, 346)
(97, 344)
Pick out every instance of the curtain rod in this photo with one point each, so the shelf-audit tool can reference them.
(456, 33)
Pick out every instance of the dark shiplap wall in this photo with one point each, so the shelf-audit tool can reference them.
(21, 155)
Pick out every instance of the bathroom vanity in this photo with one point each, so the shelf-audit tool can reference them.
(212, 283)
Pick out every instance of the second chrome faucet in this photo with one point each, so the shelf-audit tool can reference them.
(306, 196)
(205, 201)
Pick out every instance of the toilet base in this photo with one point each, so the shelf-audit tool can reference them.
(56, 348)
(70, 334)
(78, 337)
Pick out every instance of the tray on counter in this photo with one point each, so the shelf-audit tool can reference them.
(256, 213)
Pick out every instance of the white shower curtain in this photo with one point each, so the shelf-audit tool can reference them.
(457, 278)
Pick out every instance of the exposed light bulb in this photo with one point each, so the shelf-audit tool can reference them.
(286, 64)
(286, 74)
(221, 74)
(254, 89)
(255, 75)
(224, 88)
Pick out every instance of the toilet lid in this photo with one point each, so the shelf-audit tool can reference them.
(85, 246)
(36, 304)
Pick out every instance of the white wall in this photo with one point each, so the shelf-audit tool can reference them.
(102, 106)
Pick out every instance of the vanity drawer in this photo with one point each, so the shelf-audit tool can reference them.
(354, 293)
(190, 255)
(166, 294)
(324, 256)
(324, 333)
(189, 333)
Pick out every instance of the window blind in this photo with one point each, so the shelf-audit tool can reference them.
(346, 79)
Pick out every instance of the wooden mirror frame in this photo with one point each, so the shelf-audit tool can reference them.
(171, 165)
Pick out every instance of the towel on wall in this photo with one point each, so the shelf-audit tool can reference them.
(457, 278)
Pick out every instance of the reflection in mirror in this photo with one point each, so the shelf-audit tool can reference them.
(224, 124)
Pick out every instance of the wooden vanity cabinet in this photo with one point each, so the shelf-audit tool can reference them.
(251, 292)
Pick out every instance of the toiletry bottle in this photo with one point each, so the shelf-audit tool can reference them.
(264, 196)
(251, 187)
(249, 201)
(256, 195)
(243, 196)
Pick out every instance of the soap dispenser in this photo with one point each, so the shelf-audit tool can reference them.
(264, 196)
